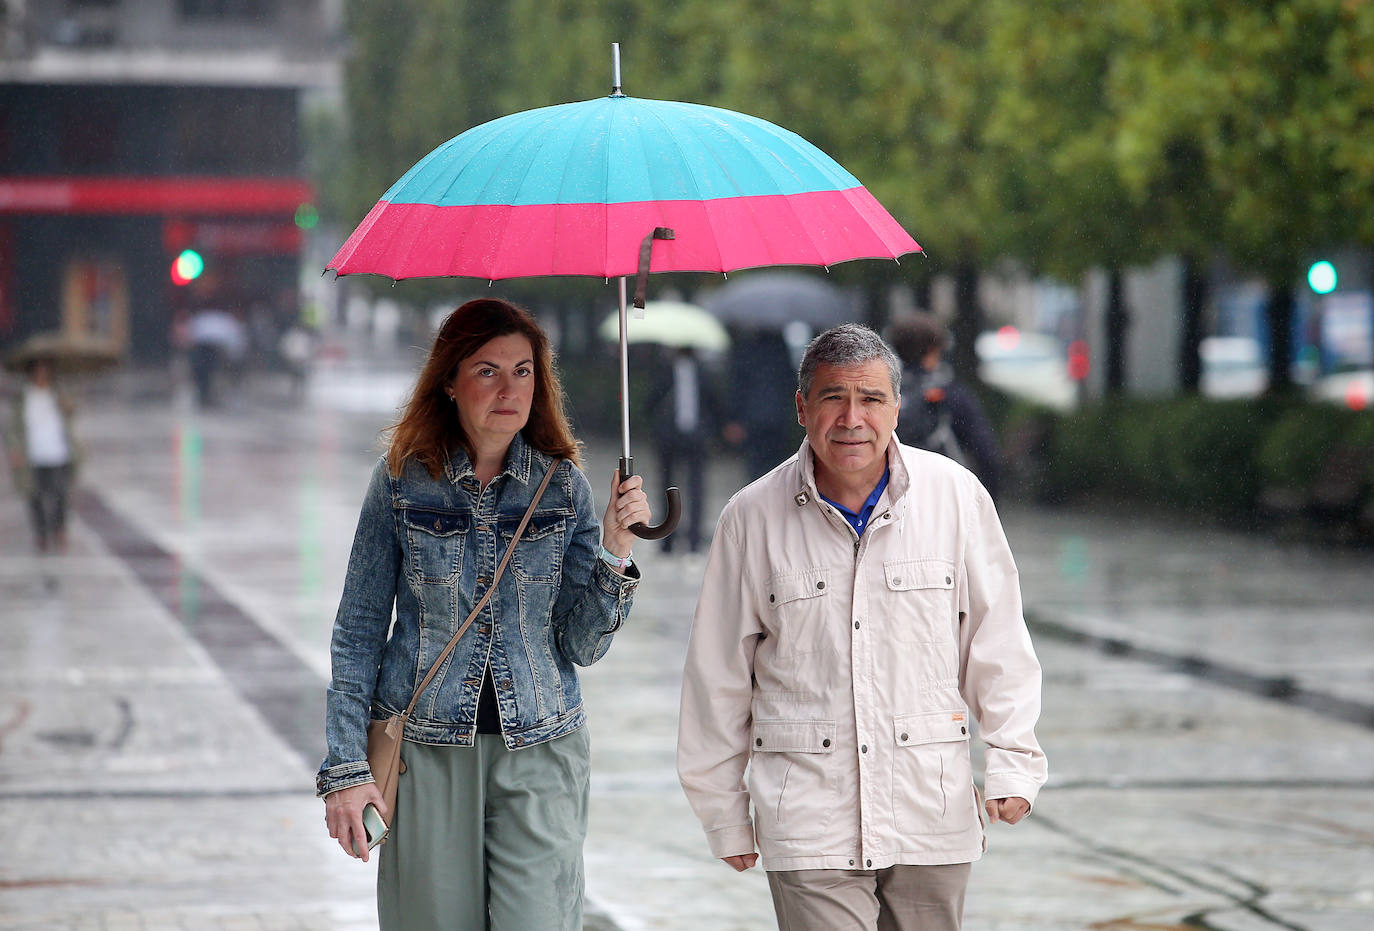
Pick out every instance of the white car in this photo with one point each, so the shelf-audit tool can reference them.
(1029, 365)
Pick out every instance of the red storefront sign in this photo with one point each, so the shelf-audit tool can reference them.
(153, 195)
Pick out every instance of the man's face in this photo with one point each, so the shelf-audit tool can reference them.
(849, 417)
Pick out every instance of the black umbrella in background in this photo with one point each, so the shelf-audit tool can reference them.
(773, 299)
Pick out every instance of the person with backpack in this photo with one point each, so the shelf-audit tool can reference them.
(940, 413)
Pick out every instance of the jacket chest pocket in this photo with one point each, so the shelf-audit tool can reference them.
(435, 541)
(798, 606)
(922, 605)
(932, 777)
(538, 556)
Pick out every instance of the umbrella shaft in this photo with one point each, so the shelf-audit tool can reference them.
(624, 376)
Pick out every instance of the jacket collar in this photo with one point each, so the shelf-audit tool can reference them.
(518, 465)
(898, 480)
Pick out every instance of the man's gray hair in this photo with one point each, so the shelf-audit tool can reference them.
(848, 345)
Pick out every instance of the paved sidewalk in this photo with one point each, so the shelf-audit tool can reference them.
(160, 693)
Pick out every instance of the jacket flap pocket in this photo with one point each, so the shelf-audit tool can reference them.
(794, 736)
(910, 730)
(791, 586)
(906, 575)
(435, 521)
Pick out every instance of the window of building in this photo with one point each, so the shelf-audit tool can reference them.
(87, 138)
(239, 10)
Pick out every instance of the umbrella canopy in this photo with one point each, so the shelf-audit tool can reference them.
(573, 189)
(670, 323)
(66, 353)
(771, 300)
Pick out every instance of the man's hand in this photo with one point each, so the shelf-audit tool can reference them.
(1010, 810)
(742, 862)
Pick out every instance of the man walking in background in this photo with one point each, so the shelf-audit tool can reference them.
(860, 612)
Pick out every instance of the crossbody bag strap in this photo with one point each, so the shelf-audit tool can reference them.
(477, 609)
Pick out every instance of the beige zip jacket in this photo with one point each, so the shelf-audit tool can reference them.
(832, 681)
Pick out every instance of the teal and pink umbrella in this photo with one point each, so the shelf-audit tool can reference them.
(612, 187)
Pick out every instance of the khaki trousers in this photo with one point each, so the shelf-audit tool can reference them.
(899, 898)
(487, 838)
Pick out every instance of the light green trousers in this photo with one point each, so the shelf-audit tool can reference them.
(487, 838)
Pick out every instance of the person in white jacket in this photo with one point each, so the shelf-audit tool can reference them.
(859, 614)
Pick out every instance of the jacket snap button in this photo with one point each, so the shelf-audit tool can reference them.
(438, 524)
(904, 737)
(856, 625)
(772, 598)
(820, 585)
(868, 863)
(963, 730)
(851, 862)
(948, 580)
(826, 742)
(758, 741)
(896, 581)
(864, 748)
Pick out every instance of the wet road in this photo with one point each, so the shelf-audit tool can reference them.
(1207, 706)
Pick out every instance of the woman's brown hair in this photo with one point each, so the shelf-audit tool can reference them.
(429, 431)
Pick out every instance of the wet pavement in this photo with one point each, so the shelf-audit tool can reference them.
(1209, 703)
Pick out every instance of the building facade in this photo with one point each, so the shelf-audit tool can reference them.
(132, 131)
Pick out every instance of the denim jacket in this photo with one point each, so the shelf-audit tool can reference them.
(430, 548)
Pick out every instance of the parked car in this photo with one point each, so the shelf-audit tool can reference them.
(1232, 367)
(1354, 389)
(1029, 365)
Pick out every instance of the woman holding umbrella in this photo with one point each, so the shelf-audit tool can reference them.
(491, 809)
(42, 452)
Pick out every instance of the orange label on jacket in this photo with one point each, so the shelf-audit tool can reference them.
(957, 717)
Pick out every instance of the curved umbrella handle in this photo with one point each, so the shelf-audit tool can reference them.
(669, 523)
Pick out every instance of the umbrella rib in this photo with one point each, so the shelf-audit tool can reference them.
(696, 188)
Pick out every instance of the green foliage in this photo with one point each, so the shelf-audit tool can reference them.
(1216, 457)
(1061, 133)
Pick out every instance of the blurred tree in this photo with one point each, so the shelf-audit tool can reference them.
(1271, 106)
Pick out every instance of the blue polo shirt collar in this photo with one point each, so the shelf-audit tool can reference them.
(860, 520)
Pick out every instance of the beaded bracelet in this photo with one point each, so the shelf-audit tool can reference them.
(614, 561)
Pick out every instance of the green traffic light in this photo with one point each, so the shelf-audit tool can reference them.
(1321, 277)
(190, 265)
(307, 217)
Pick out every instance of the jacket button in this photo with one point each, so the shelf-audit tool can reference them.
(438, 524)
(948, 580)
(863, 749)
(820, 585)
(896, 581)
(851, 862)
(856, 625)
(904, 737)
(868, 863)
(519, 741)
(484, 580)
(826, 742)
(772, 598)
(505, 683)
(758, 741)
(963, 730)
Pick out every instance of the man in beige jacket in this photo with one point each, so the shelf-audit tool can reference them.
(860, 612)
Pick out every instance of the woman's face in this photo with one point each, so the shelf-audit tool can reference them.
(493, 390)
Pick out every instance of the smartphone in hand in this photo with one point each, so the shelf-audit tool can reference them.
(374, 826)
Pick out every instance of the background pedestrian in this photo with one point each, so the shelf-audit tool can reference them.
(686, 417)
(939, 412)
(43, 454)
